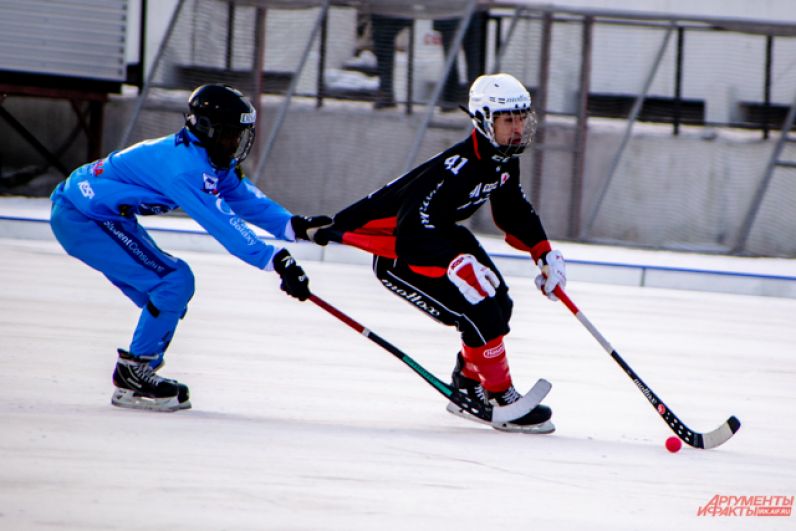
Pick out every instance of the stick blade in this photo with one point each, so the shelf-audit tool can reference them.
(720, 435)
(531, 399)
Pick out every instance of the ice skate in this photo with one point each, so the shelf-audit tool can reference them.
(471, 388)
(535, 421)
(466, 386)
(139, 387)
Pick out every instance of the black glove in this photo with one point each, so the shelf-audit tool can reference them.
(294, 281)
(324, 235)
(302, 223)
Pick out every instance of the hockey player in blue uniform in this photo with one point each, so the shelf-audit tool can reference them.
(94, 217)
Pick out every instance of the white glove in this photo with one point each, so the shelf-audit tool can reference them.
(554, 273)
(474, 279)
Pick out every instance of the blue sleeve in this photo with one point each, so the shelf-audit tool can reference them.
(224, 223)
(255, 207)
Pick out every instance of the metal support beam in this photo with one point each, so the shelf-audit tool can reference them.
(319, 82)
(280, 118)
(258, 65)
(579, 158)
(678, 82)
(760, 193)
(501, 49)
(143, 93)
(410, 70)
(631, 120)
(452, 53)
(767, 86)
(540, 106)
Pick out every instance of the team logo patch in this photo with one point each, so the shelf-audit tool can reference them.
(85, 189)
(224, 208)
(494, 352)
(248, 117)
(98, 168)
(210, 184)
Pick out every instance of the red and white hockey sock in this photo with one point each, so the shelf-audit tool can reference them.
(488, 364)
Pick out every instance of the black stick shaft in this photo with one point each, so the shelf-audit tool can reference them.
(435, 382)
(689, 436)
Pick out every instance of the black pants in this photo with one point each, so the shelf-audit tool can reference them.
(442, 301)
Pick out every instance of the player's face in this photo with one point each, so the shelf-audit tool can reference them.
(235, 143)
(512, 129)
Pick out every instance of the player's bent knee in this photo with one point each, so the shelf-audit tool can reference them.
(185, 283)
(176, 289)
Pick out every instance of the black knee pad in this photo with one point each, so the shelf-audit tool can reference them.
(152, 309)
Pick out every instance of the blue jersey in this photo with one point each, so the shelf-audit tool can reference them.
(156, 176)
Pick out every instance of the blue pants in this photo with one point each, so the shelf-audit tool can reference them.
(123, 251)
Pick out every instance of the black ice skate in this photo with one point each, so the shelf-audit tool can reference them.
(469, 387)
(535, 421)
(139, 387)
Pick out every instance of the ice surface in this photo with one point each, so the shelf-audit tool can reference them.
(301, 424)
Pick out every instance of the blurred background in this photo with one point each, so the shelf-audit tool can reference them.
(663, 124)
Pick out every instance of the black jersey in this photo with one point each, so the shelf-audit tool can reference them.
(415, 217)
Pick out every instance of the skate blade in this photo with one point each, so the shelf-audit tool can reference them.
(542, 428)
(463, 413)
(130, 399)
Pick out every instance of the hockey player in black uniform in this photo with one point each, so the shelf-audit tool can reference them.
(423, 255)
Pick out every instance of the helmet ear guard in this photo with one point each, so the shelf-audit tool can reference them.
(201, 126)
(483, 121)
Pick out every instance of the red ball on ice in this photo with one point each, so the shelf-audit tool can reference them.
(673, 444)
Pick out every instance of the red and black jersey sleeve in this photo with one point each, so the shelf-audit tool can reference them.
(370, 223)
(516, 217)
(413, 217)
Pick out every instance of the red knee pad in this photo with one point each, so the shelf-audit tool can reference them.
(488, 364)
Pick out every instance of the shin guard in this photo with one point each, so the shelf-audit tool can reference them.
(489, 363)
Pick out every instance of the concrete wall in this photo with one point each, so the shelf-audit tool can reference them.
(690, 191)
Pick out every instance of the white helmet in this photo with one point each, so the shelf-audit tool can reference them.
(501, 93)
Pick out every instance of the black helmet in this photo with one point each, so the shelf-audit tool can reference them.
(223, 120)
